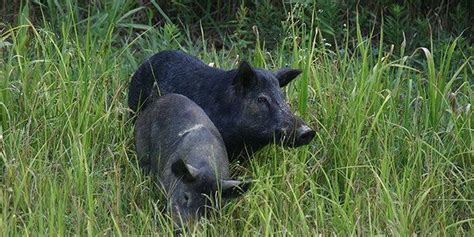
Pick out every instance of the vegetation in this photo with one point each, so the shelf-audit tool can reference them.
(394, 149)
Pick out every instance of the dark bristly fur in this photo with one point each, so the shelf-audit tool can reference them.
(246, 104)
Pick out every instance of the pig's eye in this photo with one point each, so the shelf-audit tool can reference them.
(186, 199)
(262, 99)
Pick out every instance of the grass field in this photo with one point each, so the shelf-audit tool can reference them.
(393, 154)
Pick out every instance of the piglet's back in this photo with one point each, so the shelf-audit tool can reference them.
(175, 124)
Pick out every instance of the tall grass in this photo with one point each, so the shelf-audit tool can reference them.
(393, 154)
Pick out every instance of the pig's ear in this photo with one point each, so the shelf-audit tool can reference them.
(245, 76)
(286, 75)
(181, 169)
(234, 188)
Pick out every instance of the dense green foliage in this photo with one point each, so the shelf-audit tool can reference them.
(229, 21)
(394, 149)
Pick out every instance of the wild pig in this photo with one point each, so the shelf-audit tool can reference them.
(177, 144)
(246, 104)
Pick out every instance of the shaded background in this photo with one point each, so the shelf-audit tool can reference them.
(228, 24)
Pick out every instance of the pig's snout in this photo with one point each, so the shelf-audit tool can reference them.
(295, 136)
(304, 135)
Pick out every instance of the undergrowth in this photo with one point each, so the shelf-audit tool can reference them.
(393, 153)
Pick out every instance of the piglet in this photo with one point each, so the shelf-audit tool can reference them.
(179, 146)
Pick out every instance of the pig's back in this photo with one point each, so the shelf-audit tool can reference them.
(184, 74)
(174, 72)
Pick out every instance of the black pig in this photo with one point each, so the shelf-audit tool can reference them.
(246, 104)
(178, 144)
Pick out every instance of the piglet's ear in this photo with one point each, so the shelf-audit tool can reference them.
(245, 76)
(286, 75)
(234, 188)
(187, 172)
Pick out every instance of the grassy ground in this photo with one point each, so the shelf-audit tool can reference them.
(393, 154)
